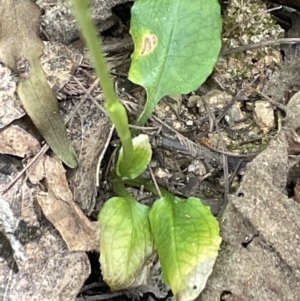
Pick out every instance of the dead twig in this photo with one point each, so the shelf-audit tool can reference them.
(224, 158)
(185, 146)
(260, 44)
(100, 297)
(236, 98)
(42, 151)
(272, 101)
(154, 181)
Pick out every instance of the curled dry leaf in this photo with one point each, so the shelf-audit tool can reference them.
(17, 142)
(59, 208)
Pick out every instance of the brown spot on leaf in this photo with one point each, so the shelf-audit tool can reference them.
(150, 42)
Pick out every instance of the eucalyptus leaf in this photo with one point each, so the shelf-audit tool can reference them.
(142, 153)
(177, 43)
(186, 235)
(20, 50)
(125, 241)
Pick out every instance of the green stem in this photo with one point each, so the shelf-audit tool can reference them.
(114, 107)
(119, 187)
(138, 182)
(151, 102)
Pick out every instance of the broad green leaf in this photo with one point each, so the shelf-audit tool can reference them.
(187, 238)
(176, 46)
(125, 241)
(142, 153)
(20, 50)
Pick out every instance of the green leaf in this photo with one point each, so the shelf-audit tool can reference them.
(142, 153)
(176, 46)
(187, 238)
(42, 107)
(125, 241)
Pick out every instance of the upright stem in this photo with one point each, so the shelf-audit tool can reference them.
(114, 107)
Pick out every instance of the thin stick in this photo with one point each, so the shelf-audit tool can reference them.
(264, 12)
(42, 151)
(272, 101)
(87, 93)
(224, 157)
(236, 98)
(260, 44)
(154, 181)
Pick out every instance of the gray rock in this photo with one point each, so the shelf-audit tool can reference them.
(59, 24)
(259, 257)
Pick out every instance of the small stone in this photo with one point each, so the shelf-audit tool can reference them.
(193, 101)
(153, 163)
(264, 116)
(217, 98)
(159, 173)
(177, 125)
(235, 114)
(198, 168)
(191, 168)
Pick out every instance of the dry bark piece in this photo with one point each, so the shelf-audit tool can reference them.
(58, 206)
(11, 108)
(17, 142)
(90, 130)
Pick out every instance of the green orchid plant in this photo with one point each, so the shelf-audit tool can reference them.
(176, 47)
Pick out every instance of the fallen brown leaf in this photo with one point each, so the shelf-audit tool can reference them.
(17, 142)
(37, 171)
(58, 206)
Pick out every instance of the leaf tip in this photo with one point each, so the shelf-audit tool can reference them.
(196, 280)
